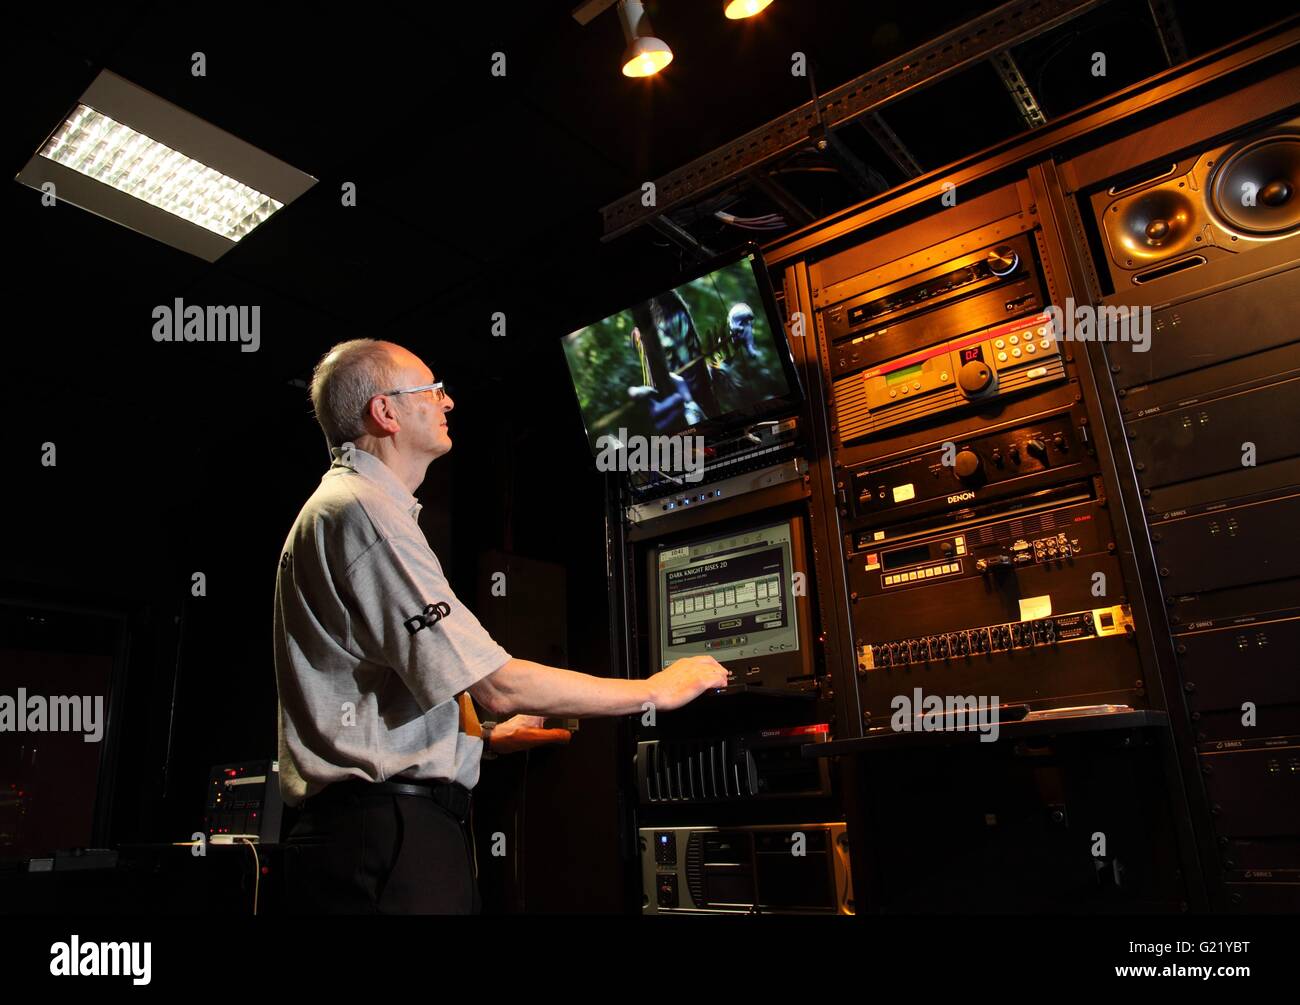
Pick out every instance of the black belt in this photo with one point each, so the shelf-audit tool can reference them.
(451, 796)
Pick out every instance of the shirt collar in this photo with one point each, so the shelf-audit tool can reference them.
(353, 458)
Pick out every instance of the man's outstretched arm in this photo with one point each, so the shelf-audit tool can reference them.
(536, 689)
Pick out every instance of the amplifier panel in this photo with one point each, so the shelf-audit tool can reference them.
(1228, 725)
(1255, 786)
(1239, 605)
(1226, 666)
(1232, 546)
(1187, 389)
(1216, 434)
(1238, 486)
(1213, 329)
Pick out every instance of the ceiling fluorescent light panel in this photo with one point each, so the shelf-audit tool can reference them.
(129, 156)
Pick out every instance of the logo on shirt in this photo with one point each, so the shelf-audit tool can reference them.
(430, 616)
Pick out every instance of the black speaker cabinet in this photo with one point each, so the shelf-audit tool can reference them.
(1182, 212)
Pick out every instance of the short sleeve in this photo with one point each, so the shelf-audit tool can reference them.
(407, 617)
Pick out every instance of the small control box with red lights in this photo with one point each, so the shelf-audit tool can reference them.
(244, 799)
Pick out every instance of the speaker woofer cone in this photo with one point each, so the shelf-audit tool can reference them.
(1253, 191)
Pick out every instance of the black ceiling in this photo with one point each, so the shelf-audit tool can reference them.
(476, 193)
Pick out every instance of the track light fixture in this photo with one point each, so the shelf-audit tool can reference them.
(645, 55)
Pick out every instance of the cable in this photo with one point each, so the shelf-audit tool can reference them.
(257, 872)
(769, 221)
(257, 862)
(762, 218)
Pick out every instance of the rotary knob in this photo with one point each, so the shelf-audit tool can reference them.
(1002, 260)
(974, 378)
(969, 466)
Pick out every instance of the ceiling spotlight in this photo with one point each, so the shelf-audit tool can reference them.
(131, 157)
(738, 10)
(645, 55)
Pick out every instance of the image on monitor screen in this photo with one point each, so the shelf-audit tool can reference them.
(728, 596)
(706, 350)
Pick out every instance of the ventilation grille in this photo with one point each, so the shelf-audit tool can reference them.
(695, 867)
(693, 771)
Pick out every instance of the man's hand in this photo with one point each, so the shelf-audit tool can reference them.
(685, 680)
(523, 732)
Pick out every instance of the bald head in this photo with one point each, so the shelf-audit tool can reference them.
(352, 391)
(347, 377)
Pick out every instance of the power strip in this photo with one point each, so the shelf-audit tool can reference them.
(232, 838)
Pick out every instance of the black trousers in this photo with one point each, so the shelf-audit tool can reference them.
(376, 853)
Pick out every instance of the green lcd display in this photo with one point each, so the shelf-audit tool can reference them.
(904, 375)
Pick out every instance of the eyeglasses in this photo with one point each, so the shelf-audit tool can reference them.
(440, 392)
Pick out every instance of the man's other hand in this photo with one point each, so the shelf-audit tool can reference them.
(523, 732)
(685, 680)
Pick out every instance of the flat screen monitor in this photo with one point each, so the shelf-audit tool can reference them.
(739, 596)
(701, 357)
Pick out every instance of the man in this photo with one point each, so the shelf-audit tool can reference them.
(374, 655)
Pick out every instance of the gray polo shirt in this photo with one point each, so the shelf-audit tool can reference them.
(371, 645)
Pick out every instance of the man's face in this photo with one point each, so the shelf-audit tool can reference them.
(424, 417)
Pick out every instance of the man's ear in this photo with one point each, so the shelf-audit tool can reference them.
(381, 414)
